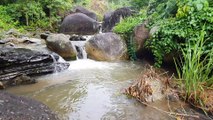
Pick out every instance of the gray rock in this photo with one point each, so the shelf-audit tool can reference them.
(112, 18)
(14, 62)
(80, 24)
(86, 12)
(61, 44)
(106, 47)
(21, 108)
(141, 34)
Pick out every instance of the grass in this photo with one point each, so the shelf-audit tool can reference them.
(195, 71)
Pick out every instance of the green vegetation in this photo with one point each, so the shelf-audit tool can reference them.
(184, 28)
(6, 20)
(125, 29)
(195, 69)
(32, 14)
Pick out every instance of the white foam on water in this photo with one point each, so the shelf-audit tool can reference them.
(87, 64)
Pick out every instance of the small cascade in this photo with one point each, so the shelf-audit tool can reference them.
(100, 27)
(79, 47)
(81, 53)
(54, 62)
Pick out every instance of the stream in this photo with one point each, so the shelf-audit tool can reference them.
(92, 90)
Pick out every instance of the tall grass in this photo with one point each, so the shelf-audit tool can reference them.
(195, 69)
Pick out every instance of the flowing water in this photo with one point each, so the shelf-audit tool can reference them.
(91, 90)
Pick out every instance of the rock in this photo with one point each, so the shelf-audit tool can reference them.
(4, 41)
(141, 34)
(21, 108)
(27, 40)
(2, 86)
(106, 47)
(60, 44)
(16, 62)
(13, 32)
(112, 18)
(107, 25)
(19, 79)
(80, 24)
(150, 87)
(77, 38)
(44, 36)
(90, 14)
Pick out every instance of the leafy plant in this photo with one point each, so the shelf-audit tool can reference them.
(179, 30)
(195, 69)
(125, 29)
(35, 13)
(5, 21)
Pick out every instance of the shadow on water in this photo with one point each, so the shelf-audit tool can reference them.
(92, 90)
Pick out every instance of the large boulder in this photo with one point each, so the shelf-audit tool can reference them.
(112, 18)
(21, 108)
(141, 34)
(61, 44)
(106, 47)
(79, 23)
(80, 9)
(16, 63)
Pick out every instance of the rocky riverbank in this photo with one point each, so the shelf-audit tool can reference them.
(21, 108)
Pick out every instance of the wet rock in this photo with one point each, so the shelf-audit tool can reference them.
(16, 62)
(90, 14)
(112, 18)
(80, 24)
(77, 38)
(106, 47)
(141, 34)
(44, 35)
(21, 108)
(19, 79)
(61, 44)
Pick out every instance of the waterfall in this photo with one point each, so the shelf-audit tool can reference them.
(54, 62)
(100, 27)
(79, 47)
(81, 53)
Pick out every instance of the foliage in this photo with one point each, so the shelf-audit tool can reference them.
(5, 21)
(31, 13)
(115, 4)
(125, 28)
(196, 68)
(183, 28)
(138, 4)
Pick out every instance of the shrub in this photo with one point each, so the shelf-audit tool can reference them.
(179, 30)
(33, 13)
(125, 29)
(195, 69)
(6, 20)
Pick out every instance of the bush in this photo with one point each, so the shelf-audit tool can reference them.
(6, 20)
(195, 70)
(32, 13)
(179, 30)
(125, 29)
